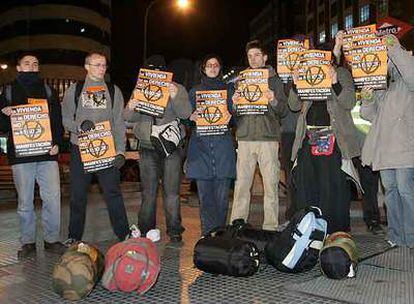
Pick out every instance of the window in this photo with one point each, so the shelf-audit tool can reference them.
(364, 13)
(382, 8)
(334, 29)
(322, 37)
(349, 21)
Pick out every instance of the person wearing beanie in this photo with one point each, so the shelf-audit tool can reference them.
(40, 169)
(211, 159)
(84, 104)
(153, 166)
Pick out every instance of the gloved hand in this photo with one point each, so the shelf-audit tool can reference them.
(119, 161)
(87, 125)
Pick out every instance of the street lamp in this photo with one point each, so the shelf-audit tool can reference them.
(182, 4)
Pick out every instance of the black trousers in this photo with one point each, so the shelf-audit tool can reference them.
(286, 164)
(109, 180)
(319, 181)
(369, 182)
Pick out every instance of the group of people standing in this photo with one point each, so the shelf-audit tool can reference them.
(324, 152)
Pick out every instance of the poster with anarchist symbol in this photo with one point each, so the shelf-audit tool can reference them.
(355, 34)
(97, 147)
(252, 85)
(31, 131)
(94, 97)
(288, 56)
(212, 111)
(151, 92)
(314, 81)
(368, 61)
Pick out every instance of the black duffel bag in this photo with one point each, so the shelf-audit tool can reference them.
(244, 231)
(228, 256)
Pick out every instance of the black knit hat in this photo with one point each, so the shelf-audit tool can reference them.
(156, 62)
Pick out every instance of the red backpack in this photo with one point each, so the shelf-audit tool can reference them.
(131, 265)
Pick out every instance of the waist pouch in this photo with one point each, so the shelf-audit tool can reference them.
(321, 140)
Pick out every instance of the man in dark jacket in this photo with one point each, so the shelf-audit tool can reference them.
(153, 166)
(42, 169)
(258, 139)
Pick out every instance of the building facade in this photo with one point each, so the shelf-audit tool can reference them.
(59, 32)
(319, 19)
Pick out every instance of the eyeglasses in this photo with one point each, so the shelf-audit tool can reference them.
(104, 66)
(212, 66)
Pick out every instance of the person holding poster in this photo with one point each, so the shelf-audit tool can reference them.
(389, 146)
(43, 168)
(154, 166)
(85, 104)
(369, 179)
(211, 158)
(325, 143)
(258, 139)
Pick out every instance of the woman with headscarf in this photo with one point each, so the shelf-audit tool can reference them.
(211, 159)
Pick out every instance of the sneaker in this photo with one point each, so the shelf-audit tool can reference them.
(391, 243)
(26, 251)
(69, 242)
(56, 247)
(375, 229)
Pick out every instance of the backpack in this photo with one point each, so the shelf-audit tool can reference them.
(244, 231)
(222, 255)
(296, 248)
(132, 265)
(78, 92)
(166, 138)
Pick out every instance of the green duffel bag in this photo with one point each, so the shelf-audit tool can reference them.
(338, 257)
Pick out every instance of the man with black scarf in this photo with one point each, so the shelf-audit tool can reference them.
(42, 169)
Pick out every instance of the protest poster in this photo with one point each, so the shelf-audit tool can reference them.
(314, 81)
(151, 93)
(357, 33)
(252, 86)
(31, 131)
(288, 56)
(97, 147)
(213, 112)
(368, 61)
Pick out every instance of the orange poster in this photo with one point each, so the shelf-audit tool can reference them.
(97, 147)
(368, 60)
(357, 33)
(151, 93)
(253, 84)
(314, 81)
(288, 56)
(213, 112)
(31, 128)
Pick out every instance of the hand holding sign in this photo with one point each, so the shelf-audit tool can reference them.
(7, 111)
(366, 93)
(173, 90)
(54, 150)
(333, 74)
(390, 41)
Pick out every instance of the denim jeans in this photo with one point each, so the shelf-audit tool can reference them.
(153, 168)
(399, 198)
(46, 174)
(109, 180)
(214, 203)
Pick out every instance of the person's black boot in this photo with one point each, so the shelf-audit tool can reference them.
(26, 251)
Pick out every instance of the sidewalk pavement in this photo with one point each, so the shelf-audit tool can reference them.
(384, 275)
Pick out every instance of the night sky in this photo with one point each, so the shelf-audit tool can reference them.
(210, 26)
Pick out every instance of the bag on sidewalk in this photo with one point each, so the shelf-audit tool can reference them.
(77, 271)
(339, 257)
(221, 255)
(132, 265)
(296, 248)
(244, 231)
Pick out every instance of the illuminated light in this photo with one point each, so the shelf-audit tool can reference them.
(67, 20)
(82, 30)
(4, 66)
(183, 4)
